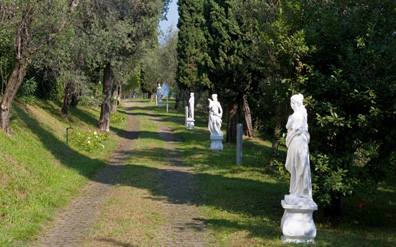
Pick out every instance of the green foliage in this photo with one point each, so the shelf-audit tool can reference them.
(190, 46)
(352, 94)
(27, 91)
(89, 141)
(117, 117)
(339, 54)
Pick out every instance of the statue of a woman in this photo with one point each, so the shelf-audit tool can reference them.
(191, 106)
(215, 115)
(297, 161)
(159, 91)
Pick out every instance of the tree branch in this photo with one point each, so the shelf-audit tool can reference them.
(73, 4)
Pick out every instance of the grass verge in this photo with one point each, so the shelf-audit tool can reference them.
(37, 175)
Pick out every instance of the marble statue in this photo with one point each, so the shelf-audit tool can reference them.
(159, 94)
(214, 124)
(297, 159)
(191, 106)
(190, 112)
(215, 115)
(297, 223)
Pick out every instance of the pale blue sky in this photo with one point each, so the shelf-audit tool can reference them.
(172, 16)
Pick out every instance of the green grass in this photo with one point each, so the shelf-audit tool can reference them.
(242, 204)
(36, 175)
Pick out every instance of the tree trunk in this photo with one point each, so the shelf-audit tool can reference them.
(232, 122)
(277, 134)
(69, 91)
(179, 98)
(75, 100)
(334, 208)
(248, 116)
(104, 120)
(14, 82)
(115, 99)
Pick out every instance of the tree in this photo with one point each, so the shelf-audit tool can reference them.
(114, 31)
(229, 58)
(351, 95)
(339, 54)
(159, 63)
(32, 24)
(190, 46)
(282, 50)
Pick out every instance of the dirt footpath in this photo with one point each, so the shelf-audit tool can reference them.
(111, 214)
(71, 226)
(185, 225)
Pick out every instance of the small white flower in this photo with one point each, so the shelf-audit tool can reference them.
(95, 133)
(89, 137)
(89, 141)
(102, 145)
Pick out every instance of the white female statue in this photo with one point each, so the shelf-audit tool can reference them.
(297, 160)
(191, 106)
(215, 115)
(297, 222)
(159, 93)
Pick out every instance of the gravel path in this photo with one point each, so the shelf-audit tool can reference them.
(70, 226)
(185, 225)
(183, 222)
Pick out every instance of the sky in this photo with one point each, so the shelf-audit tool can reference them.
(172, 16)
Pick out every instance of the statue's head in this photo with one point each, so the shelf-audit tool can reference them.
(192, 94)
(296, 101)
(214, 96)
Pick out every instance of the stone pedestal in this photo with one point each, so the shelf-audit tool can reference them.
(190, 123)
(216, 143)
(297, 222)
(160, 103)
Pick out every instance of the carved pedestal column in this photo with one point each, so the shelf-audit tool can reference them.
(297, 222)
(190, 123)
(216, 143)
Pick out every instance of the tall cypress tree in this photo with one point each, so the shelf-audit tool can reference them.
(191, 41)
(229, 57)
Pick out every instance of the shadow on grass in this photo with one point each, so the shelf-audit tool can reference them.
(114, 242)
(83, 164)
(235, 195)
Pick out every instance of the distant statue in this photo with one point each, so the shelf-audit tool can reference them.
(191, 106)
(297, 160)
(215, 115)
(159, 91)
(159, 94)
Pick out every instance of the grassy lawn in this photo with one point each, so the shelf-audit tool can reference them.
(36, 175)
(242, 204)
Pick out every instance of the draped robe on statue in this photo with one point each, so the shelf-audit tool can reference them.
(297, 161)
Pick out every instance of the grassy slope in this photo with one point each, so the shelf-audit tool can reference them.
(36, 176)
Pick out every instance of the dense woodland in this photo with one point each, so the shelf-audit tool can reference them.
(254, 54)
